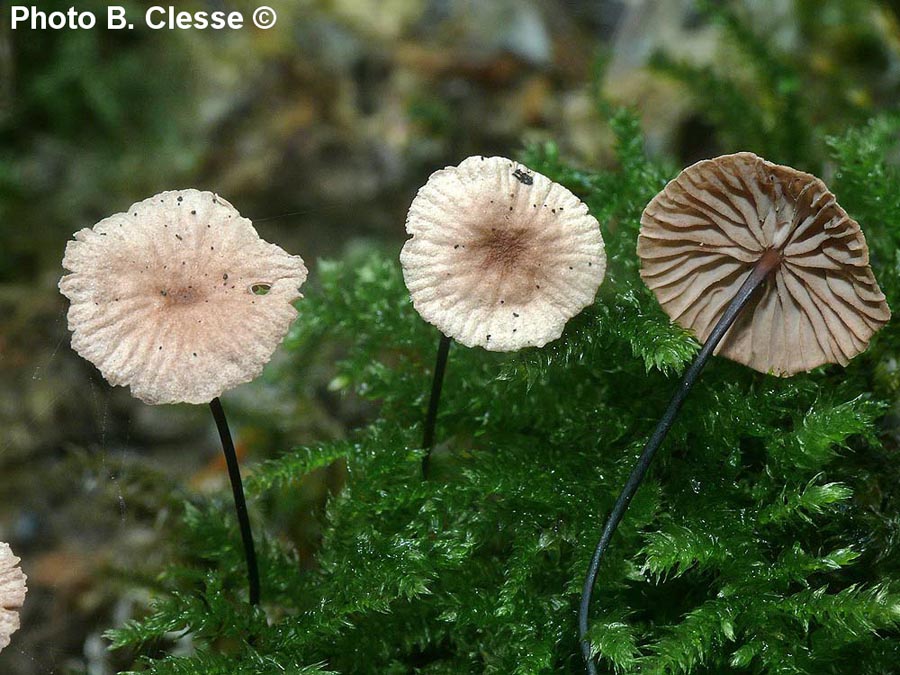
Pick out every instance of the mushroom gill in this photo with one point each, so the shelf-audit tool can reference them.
(704, 232)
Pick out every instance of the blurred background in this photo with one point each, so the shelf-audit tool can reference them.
(320, 130)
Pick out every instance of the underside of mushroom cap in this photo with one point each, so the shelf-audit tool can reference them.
(702, 234)
(179, 298)
(12, 594)
(500, 257)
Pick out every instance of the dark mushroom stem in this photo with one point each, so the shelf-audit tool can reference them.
(240, 504)
(770, 261)
(440, 366)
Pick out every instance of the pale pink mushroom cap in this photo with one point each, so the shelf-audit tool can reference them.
(500, 257)
(179, 298)
(703, 233)
(12, 594)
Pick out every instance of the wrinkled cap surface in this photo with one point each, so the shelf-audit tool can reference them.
(12, 594)
(703, 233)
(500, 256)
(178, 298)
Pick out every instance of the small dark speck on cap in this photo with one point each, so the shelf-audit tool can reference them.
(193, 212)
(180, 198)
(195, 353)
(178, 237)
(515, 315)
(489, 337)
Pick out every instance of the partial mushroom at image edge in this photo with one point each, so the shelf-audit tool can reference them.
(12, 594)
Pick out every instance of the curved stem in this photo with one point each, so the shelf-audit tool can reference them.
(240, 504)
(769, 262)
(440, 367)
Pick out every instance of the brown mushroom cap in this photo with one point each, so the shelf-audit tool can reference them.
(500, 257)
(12, 594)
(179, 298)
(703, 233)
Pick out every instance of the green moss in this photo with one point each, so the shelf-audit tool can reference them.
(764, 541)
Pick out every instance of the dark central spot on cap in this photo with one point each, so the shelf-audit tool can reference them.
(184, 295)
(502, 248)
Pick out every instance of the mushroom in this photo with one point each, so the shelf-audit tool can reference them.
(179, 299)
(500, 257)
(12, 594)
(722, 230)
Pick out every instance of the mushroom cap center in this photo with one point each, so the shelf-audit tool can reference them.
(502, 248)
(181, 295)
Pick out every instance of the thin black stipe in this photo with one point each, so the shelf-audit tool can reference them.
(440, 366)
(240, 504)
(768, 263)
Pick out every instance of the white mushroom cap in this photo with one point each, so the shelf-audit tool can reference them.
(12, 594)
(500, 256)
(703, 233)
(179, 298)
